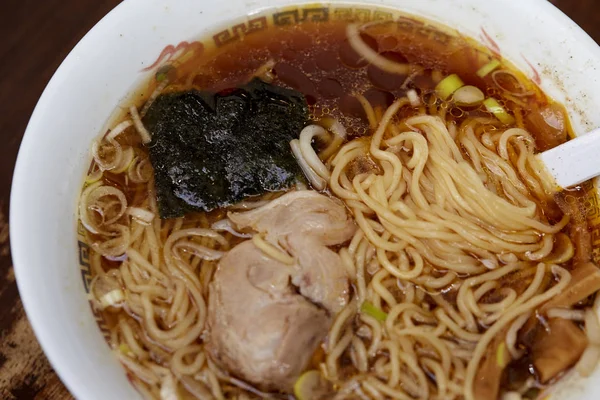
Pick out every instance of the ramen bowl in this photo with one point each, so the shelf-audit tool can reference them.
(129, 45)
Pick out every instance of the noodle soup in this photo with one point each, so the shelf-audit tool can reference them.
(414, 253)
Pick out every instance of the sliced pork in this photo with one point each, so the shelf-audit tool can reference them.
(266, 318)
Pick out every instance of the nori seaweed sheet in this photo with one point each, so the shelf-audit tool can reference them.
(212, 150)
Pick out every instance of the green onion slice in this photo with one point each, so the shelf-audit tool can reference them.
(488, 68)
(448, 85)
(375, 312)
(311, 385)
(499, 112)
(500, 355)
(125, 349)
(94, 176)
(163, 72)
(128, 159)
(468, 96)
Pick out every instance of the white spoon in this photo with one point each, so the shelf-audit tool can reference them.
(573, 162)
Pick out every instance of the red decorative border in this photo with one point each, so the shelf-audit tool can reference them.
(536, 75)
(169, 51)
(489, 42)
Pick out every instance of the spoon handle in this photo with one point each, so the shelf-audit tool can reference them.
(575, 161)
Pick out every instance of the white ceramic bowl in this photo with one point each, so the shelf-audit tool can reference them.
(107, 64)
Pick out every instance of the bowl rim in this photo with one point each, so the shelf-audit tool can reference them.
(19, 232)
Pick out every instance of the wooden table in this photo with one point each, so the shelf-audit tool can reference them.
(36, 36)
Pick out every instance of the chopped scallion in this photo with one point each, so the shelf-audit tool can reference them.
(128, 157)
(163, 72)
(499, 112)
(375, 312)
(124, 349)
(94, 177)
(141, 214)
(468, 96)
(311, 385)
(500, 355)
(488, 68)
(448, 85)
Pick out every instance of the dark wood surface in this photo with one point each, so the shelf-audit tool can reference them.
(36, 36)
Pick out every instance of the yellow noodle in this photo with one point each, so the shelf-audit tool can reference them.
(444, 212)
(271, 251)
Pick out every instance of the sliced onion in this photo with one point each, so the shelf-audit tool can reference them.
(413, 97)
(95, 175)
(363, 49)
(141, 214)
(488, 68)
(103, 164)
(468, 96)
(86, 221)
(448, 86)
(131, 171)
(499, 112)
(139, 125)
(115, 246)
(110, 141)
(522, 93)
(103, 191)
(126, 161)
(117, 130)
(140, 170)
